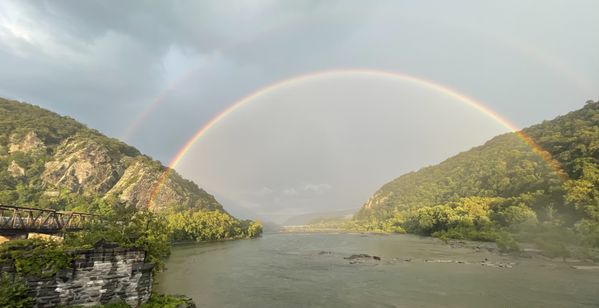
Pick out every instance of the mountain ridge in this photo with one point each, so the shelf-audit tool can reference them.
(46, 158)
(501, 184)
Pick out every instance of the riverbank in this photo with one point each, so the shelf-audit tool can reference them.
(550, 248)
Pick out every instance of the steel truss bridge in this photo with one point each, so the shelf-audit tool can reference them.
(18, 220)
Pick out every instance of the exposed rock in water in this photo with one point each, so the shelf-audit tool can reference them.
(586, 267)
(358, 256)
(532, 250)
(361, 258)
(497, 265)
(26, 144)
(484, 262)
(440, 261)
(15, 170)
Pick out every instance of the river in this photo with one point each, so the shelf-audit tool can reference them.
(311, 270)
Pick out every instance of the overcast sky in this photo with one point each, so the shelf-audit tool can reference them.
(153, 72)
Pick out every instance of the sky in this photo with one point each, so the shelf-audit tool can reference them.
(153, 73)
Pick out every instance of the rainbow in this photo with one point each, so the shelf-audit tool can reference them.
(471, 102)
(531, 51)
(136, 123)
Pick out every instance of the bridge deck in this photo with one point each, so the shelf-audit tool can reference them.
(19, 220)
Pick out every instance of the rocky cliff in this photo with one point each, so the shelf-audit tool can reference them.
(45, 158)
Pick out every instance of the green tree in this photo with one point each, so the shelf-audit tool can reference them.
(13, 292)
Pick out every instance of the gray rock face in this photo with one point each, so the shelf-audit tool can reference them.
(15, 170)
(86, 166)
(26, 144)
(83, 166)
(378, 199)
(139, 183)
(146, 185)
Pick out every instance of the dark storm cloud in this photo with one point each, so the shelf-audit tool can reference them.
(79, 56)
(56, 59)
(105, 62)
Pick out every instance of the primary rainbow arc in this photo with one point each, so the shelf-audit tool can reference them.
(477, 105)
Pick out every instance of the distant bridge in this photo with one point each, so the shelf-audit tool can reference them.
(18, 220)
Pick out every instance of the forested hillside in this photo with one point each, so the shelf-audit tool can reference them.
(503, 185)
(52, 161)
(49, 160)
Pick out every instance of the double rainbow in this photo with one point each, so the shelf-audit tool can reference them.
(320, 75)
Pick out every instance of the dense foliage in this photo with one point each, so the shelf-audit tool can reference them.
(128, 227)
(209, 226)
(35, 257)
(166, 301)
(156, 301)
(13, 292)
(503, 189)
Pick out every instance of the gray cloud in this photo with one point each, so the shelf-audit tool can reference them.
(105, 62)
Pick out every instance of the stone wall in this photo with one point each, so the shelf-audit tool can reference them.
(97, 276)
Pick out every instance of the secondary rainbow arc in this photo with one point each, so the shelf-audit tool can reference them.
(477, 105)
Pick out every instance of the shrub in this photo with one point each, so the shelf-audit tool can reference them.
(506, 243)
(165, 301)
(36, 257)
(13, 292)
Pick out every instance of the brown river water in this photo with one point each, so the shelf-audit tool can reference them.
(316, 270)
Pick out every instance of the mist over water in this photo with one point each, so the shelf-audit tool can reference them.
(309, 270)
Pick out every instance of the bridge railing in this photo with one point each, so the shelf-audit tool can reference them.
(27, 219)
